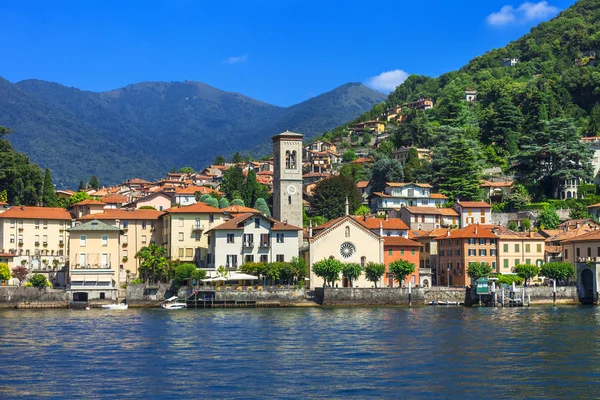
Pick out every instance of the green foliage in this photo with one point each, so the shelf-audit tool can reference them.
(559, 271)
(202, 197)
(351, 271)
(211, 201)
(478, 270)
(401, 269)
(4, 272)
(412, 165)
(261, 205)
(147, 208)
(153, 263)
(20, 272)
(237, 202)
(219, 160)
(374, 272)
(355, 171)
(257, 269)
(49, 197)
(252, 190)
(385, 170)
(362, 210)
(233, 180)
(526, 271)
(329, 197)
(94, 183)
(518, 198)
(77, 197)
(39, 281)
(298, 269)
(186, 170)
(198, 275)
(329, 269)
(183, 273)
(3, 196)
(386, 149)
(548, 218)
(21, 179)
(508, 279)
(578, 211)
(237, 158)
(458, 170)
(526, 225)
(349, 155)
(223, 203)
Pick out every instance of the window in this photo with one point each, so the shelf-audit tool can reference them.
(21, 222)
(181, 252)
(211, 218)
(472, 252)
(143, 239)
(482, 212)
(577, 252)
(264, 239)
(143, 224)
(180, 236)
(441, 253)
(279, 258)
(505, 247)
(527, 248)
(82, 259)
(152, 224)
(248, 239)
(180, 222)
(37, 239)
(264, 258)
(189, 253)
(105, 262)
(482, 242)
(457, 242)
(125, 239)
(413, 252)
(539, 249)
(493, 252)
(20, 238)
(125, 224)
(12, 239)
(589, 251)
(249, 258)
(470, 213)
(125, 253)
(566, 253)
(280, 238)
(230, 237)
(517, 248)
(347, 231)
(390, 252)
(37, 224)
(45, 239)
(493, 241)
(82, 240)
(196, 237)
(257, 222)
(45, 222)
(402, 252)
(458, 252)
(483, 220)
(472, 241)
(231, 260)
(506, 263)
(363, 261)
(493, 265)
(449, 242)
(527, 261)
(427, 247)
(482, 252)
(12, 223)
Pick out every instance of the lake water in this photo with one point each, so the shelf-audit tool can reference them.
(428, 352)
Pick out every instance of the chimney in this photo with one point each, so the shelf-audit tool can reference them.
(310, 233)
(531, 234)
(380, 228)
(347, 207)
(448, 232)
(475, 230)
(577, 225)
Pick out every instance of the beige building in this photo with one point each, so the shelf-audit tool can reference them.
(159, 200)
(427, 218)
(518, 248)
(138, 228)
(183, 232)
(37, 238)
(582, 248)
(401, 154)
(94, 251)
(473, 212)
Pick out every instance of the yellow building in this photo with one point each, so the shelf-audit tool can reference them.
(183, 231)
(94, 253)
(138, 228)
(518, 248)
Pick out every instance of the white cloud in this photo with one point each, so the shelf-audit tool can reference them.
(526, 12)
(237, 59)
(387, 81)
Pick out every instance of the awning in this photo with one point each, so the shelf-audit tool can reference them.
(242, 277)
(217, 279)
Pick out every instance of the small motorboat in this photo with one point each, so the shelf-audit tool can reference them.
(172, 304)
(121, 306)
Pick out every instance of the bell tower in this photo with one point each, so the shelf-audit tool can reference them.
(287, 178)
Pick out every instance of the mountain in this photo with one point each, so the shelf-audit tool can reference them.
(147, 128)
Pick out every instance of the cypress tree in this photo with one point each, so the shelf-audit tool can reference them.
(49, 197)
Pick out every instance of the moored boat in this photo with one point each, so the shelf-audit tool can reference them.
(121, 306)
(172, 304)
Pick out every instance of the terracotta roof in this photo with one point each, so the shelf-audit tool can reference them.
(238, 223)
(584, 237)
(432, 210)
(265, 173)
(362, 160)
(373, 223)
(89, 202)
(2, 203)
(402, 184)
(380, 194)
(505, 233)
(124, 213)
(594, 205)
(316, 175)
(553, 249)
(24, 212)
(195, 208)
(485, 183)
(362, 184)
(7, 255)
(550, 232)
(437, 196)
(400, 241)
(239, 210)
(115, 198)
(416, 233)
(569, 234)
(471, 231)
(193, 189)
(320, 230)
(66, 191)
(580, 222)
(137, 181)
(471, 204)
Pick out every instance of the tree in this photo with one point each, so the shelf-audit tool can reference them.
(233, 180)
(401, 269)
(298, 270)
(223, 203)
(555, 154)
(94, 183)
(412, 165)
(578, 211)
(386, 149)
(186, 170)
(329, 269)
(153, 263)
(79, 196)
(593, 126)
(20, 272)
(261, 205)
(219, 160)
(329, 197)
(3, 196)
(526, 271)
(4, 272)
(198, 275)
(183, 273)
(478, 270)
(385, 170)
(38, 281)
(349, 156)
(237, 158)
(351, 271)
(251, 189)
(49, 197)
(237, 202)
(222, 272)
(501, 126)
(512, 226)
(374, 272)
(526, 225)
(211, 201)
(362, 210)
(518, 198)
(147, 208)
(81, 186)
(458, 171)
(201, 198)
(21, 179)
(252, 268)
(558, 271)
(548, 218)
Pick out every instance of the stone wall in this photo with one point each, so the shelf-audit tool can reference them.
(12, 296)
(143, 295)
(543, 294)
(504, 218)
(282, 296)
(385, 296)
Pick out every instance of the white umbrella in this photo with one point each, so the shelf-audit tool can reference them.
(216, 279)
(242, 277)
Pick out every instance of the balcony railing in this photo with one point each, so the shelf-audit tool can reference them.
(265, 244)
(92, 266)
(425, 270)
(197, 228)
(249, 244)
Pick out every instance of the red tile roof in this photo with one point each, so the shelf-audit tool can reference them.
(115, 198)
(362, 160)
(239, 209)
(471, 231)
(362, 184)
(237, 223)
(585, 237)
(402, 184)
(390, 223)
(195, 208)
(432, 210)
(24, 212)
(400, 241)
(124, 213)
(473, 204)
(437, 196)
(193, 189)
(89, 202)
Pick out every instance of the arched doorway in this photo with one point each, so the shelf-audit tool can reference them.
(587, 286)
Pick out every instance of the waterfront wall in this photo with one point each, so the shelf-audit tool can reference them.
(282, 296)
(504, 218)
(12, 296)
(385, 296)
(543, 294)
(141, 295)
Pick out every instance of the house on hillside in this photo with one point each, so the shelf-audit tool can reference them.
(509, 62)
(401, 154)
(396, 195)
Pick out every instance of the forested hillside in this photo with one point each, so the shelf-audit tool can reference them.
(144, 130)
(527, 118)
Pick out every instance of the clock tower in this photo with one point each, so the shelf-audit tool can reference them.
(287, 178)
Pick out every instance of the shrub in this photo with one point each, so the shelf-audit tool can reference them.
(526, 271)
(328, 269)
(401, 269)
(374, 272)
(39, 281)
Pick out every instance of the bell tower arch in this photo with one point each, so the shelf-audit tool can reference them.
(287, 178)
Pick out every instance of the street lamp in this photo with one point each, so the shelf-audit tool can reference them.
(448, 280)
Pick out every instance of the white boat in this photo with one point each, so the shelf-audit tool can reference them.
(172, 304)
(121, 306)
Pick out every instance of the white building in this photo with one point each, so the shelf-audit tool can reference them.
(251, 237)
(397, 195)
(594, 145)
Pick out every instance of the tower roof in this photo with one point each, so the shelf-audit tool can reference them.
(288, 135)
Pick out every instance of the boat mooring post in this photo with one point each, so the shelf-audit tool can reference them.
(409, 294)
(502, 297)
(553, 292)
(494, 293)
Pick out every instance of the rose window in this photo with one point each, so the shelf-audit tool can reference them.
(347, 250)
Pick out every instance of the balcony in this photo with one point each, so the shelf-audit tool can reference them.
(92, 266)
(197, 228)
(265, 244)
(425, 271)
(125, 244)
(248, 244)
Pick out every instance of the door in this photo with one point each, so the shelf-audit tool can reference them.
(587, 283)
(105, 260)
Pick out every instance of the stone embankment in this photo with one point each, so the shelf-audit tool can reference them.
(386, 296)
(30, 297)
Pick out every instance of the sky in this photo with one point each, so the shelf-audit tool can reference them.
(278, 51)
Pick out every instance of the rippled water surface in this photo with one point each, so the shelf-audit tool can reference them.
(301, 353)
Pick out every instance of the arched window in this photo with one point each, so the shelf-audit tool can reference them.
(363, 261)
(293, 157)
(287, 159)
(347, 231)
(289, 199)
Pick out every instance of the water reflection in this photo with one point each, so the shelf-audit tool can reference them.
(300, 353)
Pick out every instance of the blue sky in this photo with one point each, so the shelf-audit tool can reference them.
(278, 51)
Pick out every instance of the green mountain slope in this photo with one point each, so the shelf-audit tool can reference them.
(147, 128)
